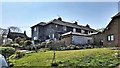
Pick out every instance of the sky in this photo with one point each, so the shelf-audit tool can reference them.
(26, 14)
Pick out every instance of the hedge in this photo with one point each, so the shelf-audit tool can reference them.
(7, 51)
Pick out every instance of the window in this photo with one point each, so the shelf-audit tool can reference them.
(86, 31)
(65, 28)
(35, 38)
(35, 28)
(110, 37)
(49, 36)
(52, 35)
(74, 30)
(56, 26)
(82, 31)
(78, 30)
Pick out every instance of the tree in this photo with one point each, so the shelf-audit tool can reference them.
(14, 29)
(100, 29)
(3, 34)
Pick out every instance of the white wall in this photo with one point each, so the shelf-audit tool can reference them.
(81, 39)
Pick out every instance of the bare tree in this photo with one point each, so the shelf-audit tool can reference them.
(3, 33)
(14, 29)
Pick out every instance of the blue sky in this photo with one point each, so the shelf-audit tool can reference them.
(26, 14)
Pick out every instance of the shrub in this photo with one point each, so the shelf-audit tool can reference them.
(19, 54)
(29, 47)
(43, 44)
(19, 40)
(72, 47)
(15, 45)
(77, 47)
(27, 42)
(49, 44)
(44, 49)
(36, 41)
(38, 46)
(7, 51)
(7, 45)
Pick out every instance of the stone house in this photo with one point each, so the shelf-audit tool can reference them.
(111, 34)
(55, 28)
(13, 35)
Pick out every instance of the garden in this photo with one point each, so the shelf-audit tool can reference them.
(85, 57)
(22, 52)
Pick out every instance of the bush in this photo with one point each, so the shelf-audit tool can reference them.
(44, 49)
(7, 45)
(31, 47)
(43, 44)
(72, 47)
(19, 54)
(19, 40)
(7, 51)
(27, 42)
(15, 45)
(49, 44)
(38, 46)
(36, 41)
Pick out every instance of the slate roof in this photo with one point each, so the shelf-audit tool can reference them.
(117, 15)
(75, 33)
(39, 24)
(13, 35)
(69, 24)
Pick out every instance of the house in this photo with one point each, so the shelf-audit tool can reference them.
(13, 35)
(111, 34)
(76, 38)
(55, 28)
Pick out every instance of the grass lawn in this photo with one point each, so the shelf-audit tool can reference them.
(84, 57)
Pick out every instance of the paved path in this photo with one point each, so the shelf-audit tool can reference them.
(25, 51)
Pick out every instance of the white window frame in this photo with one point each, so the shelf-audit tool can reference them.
(49, 36)
(53, 35)
(82, 31)
(56, 26)
(35, 28)
(35, 38)
(110, 37)
(74, 29)
(65, 28)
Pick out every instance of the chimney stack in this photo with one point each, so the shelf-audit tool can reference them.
(76, 23)
(25, 32)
